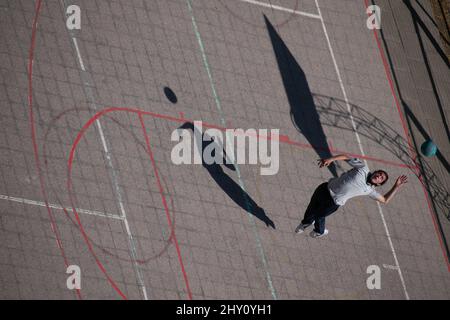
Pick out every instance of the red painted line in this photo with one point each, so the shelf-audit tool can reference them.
(282, 138)
(77, 217)
(33, 136)
(77, 140)
(44, 152)
(140, 113)
(412, 152)
(335, 151)
(166, 208)
(391, 85)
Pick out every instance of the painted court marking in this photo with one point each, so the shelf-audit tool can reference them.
(380, 210)
(411, 148)
(115, 180)
(113, 173)
(259, 244)
(58, 207)
(53, 224)
(117, 190)
(279, 8)
(166, 207)
(72, 152)
(181, 119)
(123, 213)
(319, 16)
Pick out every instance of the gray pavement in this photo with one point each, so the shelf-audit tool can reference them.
(148, 229)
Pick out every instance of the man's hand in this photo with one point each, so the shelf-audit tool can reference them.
(398, 183)
(325, 162)
(401, 181)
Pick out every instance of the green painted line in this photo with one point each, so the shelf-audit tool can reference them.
(222, 119)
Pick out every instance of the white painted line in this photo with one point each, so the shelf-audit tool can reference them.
(279, 8)
(115, 180)
(78, 53)
(58, 207)
(388, 266)
(122, 207)
(361, 147)
(114, 175)
(240, 179)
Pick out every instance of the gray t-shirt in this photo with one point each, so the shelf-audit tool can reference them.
(352, 183)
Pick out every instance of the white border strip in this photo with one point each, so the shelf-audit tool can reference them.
(275, 7)
(78, 53)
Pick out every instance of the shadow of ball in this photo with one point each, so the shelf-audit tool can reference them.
(428, 148)
(171, 96)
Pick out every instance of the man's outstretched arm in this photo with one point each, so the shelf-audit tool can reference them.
(327, 162)
(390, 194)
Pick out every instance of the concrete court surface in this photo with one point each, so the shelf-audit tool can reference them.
(106, 197)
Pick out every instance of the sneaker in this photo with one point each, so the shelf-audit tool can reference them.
(315, 234)
(301, 227)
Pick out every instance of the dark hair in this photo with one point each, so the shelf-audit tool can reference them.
(380, 171)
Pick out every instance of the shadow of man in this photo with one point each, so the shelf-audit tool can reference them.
(225, 182)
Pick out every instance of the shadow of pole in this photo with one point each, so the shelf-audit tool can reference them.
(302, 109)
(443, 36)
(418, 22)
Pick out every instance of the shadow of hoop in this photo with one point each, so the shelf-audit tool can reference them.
(333, 112)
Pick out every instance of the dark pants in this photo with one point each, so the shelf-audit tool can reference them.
(320, 206)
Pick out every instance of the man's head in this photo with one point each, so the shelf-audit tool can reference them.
(378, 178)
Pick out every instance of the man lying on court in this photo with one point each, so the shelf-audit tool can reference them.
(329, 196)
